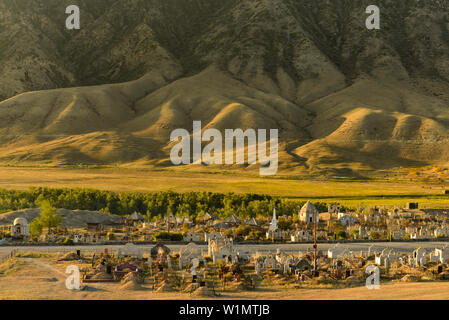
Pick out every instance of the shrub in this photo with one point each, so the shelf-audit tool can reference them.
(341, 235)
(242, 231)
(375, 235)
(256, 235)
(176, 237)
(110, 236)
(284, 224)
(68, 242)
(35, 227)
(163, 235)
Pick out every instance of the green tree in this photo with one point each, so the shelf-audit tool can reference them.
(256, 235)
(35, 227)
(341, 235)
(49, 217)
(284, 223)
(242, 231)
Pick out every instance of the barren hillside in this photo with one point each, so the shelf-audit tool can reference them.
(345, 99)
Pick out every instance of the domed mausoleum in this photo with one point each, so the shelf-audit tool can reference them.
(20, 228)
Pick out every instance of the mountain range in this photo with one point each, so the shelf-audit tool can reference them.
(346, 100)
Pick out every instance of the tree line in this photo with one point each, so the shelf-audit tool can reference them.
(153, 205)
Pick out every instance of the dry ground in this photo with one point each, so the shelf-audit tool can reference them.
(40, 278)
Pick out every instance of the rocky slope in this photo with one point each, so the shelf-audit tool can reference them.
(346, 100)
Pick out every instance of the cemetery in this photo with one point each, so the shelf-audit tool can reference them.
(208, 258)
(224, 270)
(338, 224)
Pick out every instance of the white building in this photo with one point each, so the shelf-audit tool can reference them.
(274, 222)
(20, 228)
(307, 212)
(273, 230)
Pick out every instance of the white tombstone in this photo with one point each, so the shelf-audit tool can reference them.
(411, 261)
(418, 255)
(258, 269)
(168, 262)
(434, 258)
(195, 263)
(442, 254)
(378, 260)
(422, 261)
(286, 268)
(387, 263)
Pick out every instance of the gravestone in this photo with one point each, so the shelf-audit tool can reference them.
(195, 263)
(258, 269)
(387, 263)
(169, 266)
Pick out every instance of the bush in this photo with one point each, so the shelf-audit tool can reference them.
(110, 236)
(68, 242)
(35, 227)
(341, 235)
(375, 235)
(284, 224)
(256, 235)
(162, 235)
(242, 231)
(176, 237)
(229, 233)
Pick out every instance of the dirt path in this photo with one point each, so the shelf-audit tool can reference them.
(45, 265)
(45, 280)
